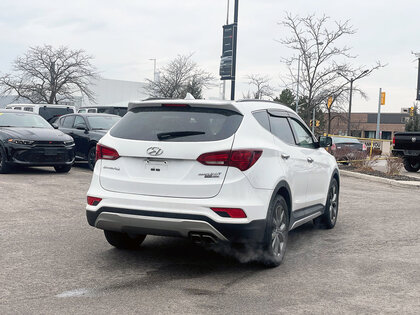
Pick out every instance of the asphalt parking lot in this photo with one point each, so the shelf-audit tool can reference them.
(52, 261)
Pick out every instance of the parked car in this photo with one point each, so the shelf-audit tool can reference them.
(86, 130)
(241, 172)
(347, 149)
(27, 139)
(113, 110)
(50, 112)
(407, 146)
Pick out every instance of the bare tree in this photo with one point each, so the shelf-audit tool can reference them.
(262, 86)
(48, 75)
(323, 61)
(179, 77)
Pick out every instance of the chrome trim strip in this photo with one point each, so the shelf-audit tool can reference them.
(304, 220)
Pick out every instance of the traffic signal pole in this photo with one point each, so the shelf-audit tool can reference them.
(235, 40)
(378, 119)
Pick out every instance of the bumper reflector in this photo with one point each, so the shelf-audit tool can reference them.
(93, 201)
(230, 212)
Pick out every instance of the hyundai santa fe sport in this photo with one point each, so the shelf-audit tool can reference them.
(239, 172)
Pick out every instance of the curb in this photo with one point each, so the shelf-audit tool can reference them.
(392, 182)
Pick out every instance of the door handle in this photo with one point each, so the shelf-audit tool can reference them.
(285, 156)
(309, 159)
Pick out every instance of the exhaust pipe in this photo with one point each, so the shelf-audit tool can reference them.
(208, 239)
(203, 239)
(195, 238)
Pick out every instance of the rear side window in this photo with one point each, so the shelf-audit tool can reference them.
(177, 124)
(67, 122)
(262, 118)
(281, 129)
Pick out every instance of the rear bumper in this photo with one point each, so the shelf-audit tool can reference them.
(169, 216)
(410, 153)
(173, 224)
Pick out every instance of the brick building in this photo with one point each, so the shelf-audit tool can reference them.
(364, 124)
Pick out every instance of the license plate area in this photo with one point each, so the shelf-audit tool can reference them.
(50, 151)
(156, 166)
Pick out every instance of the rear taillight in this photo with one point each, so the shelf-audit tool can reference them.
(242, 159)
(230, 212)
(105, 153)
(364, 148)
(93, 201)
(333, 147)
(393, 140)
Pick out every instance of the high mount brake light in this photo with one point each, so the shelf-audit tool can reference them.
(241, 159)
(105, 153)
(175, 105)
(230, 212)
(93, 201)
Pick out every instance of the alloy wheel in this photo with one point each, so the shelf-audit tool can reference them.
(333, 203)
(279, 231)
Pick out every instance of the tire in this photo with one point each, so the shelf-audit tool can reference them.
(329, 218)
(276, 233)
(123, 240)
(91, 158)
(62, 168)
(4, 167)
(411, 165)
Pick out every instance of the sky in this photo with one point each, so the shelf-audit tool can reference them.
(123, 35)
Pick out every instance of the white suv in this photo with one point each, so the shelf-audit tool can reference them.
(241, 172)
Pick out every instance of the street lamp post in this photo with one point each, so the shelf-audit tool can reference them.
(154, 68)
(351, 80)
(297, 87)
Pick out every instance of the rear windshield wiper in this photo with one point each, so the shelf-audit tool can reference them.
(178, 134)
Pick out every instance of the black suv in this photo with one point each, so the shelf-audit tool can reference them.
(86, 130)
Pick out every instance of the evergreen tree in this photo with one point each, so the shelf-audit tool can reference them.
(414, 123)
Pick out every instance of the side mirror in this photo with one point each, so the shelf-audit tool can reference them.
(80, 127)
(324, 141)
(55, 126)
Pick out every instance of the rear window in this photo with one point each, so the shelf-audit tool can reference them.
(50, 114)
(177, 124)
(345, 140)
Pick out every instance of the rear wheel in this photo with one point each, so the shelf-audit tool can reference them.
(92, 158)
(329, 218)
(62, 168)
(124, 240)
(276, 234)
(4, 167)
(411, 165)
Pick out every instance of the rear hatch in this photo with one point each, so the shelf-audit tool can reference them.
(158, 147)
(407, 141)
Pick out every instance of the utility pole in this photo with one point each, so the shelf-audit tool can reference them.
(378, 120)
(235, 41)
(350, 101)
(351, 80)
(418, 76)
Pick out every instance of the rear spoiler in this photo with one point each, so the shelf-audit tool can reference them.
(192, 103)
